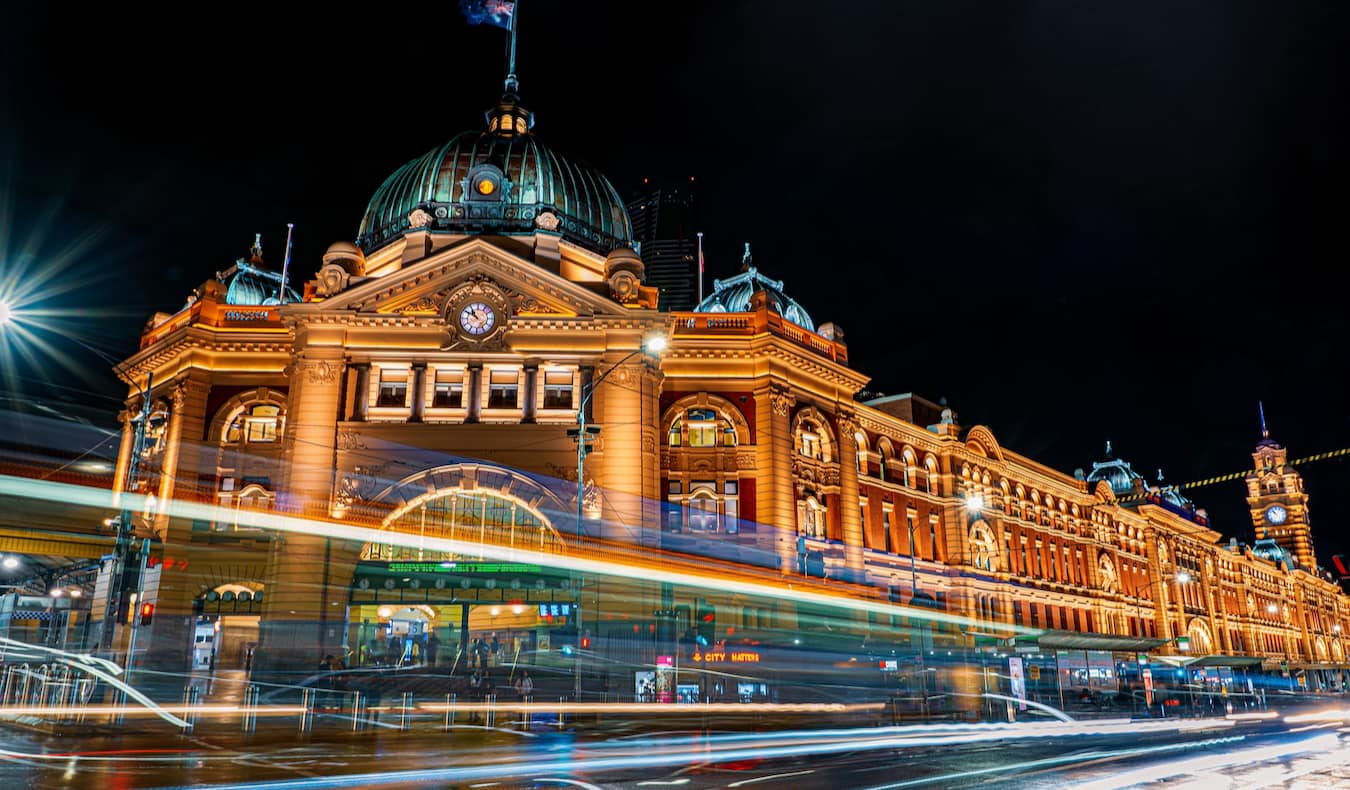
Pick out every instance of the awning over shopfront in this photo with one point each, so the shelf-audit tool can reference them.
(1219, 660)
(1072, 640)
(1332, 667)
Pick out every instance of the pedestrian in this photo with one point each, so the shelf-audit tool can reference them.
(433, 647)
(496, 651)
(396, 651)
(525, 686)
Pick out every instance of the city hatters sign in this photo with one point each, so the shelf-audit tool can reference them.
(725, 657)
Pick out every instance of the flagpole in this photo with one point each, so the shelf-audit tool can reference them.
(511, 65)
(700, 267)
(285, 264)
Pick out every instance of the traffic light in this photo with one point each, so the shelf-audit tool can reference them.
(706, 627)
(585, 643)
(147, 612)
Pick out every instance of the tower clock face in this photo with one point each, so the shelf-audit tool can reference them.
(477, 318)
(1276, 514)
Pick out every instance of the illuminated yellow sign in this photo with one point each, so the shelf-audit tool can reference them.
(726, 657)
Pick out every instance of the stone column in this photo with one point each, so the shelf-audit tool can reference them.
(850, 519)
(775, 500)
(361, 399)
(625, 468)
(419, 393)
(123, 455)
(308, 575)
(530, 396)
(474, 390)
(181, 465)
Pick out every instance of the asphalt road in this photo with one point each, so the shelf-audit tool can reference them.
(1206, 754)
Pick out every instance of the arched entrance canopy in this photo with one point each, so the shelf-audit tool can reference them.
(470, 502)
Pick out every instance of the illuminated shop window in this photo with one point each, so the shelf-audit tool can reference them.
(449, 392)
(256, 424)
(504, 390)
(393, 388)
(557, 389)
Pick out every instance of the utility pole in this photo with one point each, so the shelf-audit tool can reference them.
(122, 545)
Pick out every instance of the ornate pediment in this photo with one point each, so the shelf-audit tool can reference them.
(426, 287)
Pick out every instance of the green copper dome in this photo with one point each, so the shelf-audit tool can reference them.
(493, 182)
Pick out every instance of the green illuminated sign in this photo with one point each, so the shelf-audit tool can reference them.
(462, 567)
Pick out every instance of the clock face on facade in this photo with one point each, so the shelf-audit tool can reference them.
(1276, 514)
(477, 318)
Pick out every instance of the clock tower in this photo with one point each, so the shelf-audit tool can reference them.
(1279, 506)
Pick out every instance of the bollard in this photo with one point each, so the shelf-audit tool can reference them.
(5, 685)
(358, 710)
(529, 711)
(190, 695)
(450, 702)
(249, 719)
(306, 721)
(403, 714)
(492, 710)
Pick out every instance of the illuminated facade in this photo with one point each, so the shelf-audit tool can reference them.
(425, 380)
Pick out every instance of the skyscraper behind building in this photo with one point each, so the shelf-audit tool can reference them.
(663, 222)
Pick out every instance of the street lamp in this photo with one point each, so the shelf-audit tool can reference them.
(585, 435)
(10, 563)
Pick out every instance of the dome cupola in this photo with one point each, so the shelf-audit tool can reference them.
(732, 295)
(1116, 472)
(502, 181)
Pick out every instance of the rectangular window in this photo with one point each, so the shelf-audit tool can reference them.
(1035, 615)
(674, 487)
(449, 393)
(886, 531)
(504, 390)
(393, 388)
(557, 389)
(862, 521)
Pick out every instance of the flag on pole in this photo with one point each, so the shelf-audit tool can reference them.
(488, 12)
(700, 268)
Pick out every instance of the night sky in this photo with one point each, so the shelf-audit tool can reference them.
(1076, 221)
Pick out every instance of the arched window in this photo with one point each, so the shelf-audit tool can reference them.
(700, 427)
(808, 442)
(930, 467)
(860, 458)
(254, 424)
(479, 515)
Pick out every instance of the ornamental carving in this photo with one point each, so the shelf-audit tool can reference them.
(782, 403)
(358, 486)
(848, 424)
(419, 218)
(428, 303)
(350, 440)
(177, 396)
(648, 444)
(332, 279)
(547, 220)
(561, 472)
(745, 461)
(527, 303)
(321, 372)
(623, 287)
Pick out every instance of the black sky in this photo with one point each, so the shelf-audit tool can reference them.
(1076, 221)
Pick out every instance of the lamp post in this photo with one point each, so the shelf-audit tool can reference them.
(123, 523)
(584, 435)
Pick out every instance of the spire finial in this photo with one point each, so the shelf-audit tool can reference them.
(1265, 434)
(1108, 448)
(747, 260)
(255, 252)
(1160, 474)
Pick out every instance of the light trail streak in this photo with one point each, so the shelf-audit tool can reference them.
(1049, 762)
(41, 711)
(1334, 714)
(776, 745)
(1211, 763)
(770, 778)
(47, 490)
